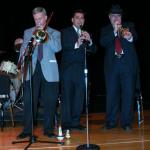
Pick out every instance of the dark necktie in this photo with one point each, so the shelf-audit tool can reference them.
(40, 51)
(118, 48)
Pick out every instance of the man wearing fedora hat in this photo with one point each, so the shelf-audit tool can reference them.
(120, 69)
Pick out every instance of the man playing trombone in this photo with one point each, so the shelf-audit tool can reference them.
(44, 42)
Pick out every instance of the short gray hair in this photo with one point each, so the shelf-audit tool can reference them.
(39, 10)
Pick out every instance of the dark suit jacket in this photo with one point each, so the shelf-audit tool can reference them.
(107, 40)
(69, 54)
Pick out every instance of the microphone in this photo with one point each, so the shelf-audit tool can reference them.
(31, 46)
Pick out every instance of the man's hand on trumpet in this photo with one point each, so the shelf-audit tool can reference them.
(117, 26)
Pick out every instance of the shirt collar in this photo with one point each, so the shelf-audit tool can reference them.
(77, 30)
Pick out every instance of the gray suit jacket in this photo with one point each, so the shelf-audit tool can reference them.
(48, 63)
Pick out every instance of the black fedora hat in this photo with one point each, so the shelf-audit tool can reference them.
(116, 9)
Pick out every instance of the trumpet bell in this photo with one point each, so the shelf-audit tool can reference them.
(123, 31)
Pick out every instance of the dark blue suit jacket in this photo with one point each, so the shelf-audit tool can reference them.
(69, 54)
(107, 40)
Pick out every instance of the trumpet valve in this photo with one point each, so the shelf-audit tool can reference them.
(123, 31)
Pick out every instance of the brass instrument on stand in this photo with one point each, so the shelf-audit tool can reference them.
(60, 135)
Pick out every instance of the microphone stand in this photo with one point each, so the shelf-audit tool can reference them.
(87, 146)
(32, 139)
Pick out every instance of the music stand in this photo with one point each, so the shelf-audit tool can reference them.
(33, 138)
(87, 146)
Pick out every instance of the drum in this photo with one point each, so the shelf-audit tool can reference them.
(11, 100)
(8, 68)
(4, 89)
(9, 92)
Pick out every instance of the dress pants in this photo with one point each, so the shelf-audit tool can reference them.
(73, 92)
(120, 88)
(48, 93)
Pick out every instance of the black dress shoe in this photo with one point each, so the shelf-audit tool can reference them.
(106, 128)
(127, 128)
(23, 135)
(79, 128)
(49, 134)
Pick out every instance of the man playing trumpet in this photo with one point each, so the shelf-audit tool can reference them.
(120, 68)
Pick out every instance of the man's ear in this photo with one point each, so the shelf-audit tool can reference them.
(71, 19)
(45, 17)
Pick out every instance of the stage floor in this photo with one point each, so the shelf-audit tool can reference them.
(115, 139)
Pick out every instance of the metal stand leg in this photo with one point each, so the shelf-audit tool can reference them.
(2, 117)
(11, 114)
(15, 104)
(19, 99)
(87, 146)
(140, 111)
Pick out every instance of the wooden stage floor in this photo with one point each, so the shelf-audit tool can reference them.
(116, 139)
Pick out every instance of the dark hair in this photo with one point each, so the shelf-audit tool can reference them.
(78, 11)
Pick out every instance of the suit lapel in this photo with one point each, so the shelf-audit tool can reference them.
(74, 33)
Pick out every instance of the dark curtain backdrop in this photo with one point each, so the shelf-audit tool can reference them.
(17, 16)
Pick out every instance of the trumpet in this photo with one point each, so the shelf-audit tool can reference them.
(122, 31)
